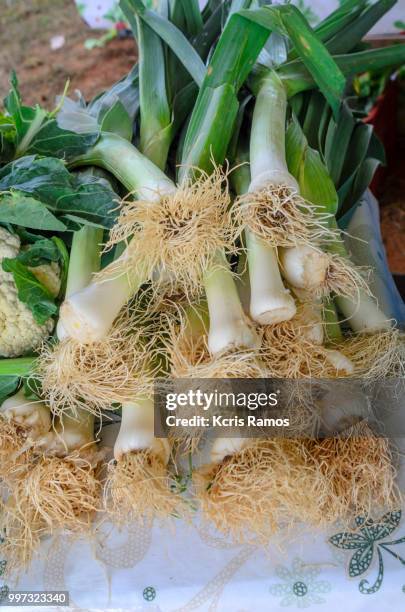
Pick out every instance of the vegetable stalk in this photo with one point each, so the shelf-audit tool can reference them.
(137, 431)
(88, 313)
(229, 327)
(273, 212)
(84, 262)
(139, 485)
(182, 232)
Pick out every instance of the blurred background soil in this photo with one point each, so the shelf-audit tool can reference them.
(26, 30)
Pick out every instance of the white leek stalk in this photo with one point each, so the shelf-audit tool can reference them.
(74, 431)
(341, 408)
(311, 321)
(363, 315)
(34, 417)
(84, 262)
(135, 171)
(226, 447)
(268, 164)
(229, 327)
(270, 301)
(340, 362)
(88, 313)
(304, 266)
(137, 431)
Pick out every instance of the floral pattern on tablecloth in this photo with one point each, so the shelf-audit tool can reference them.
(365, 543)
(182, 568)
(300, 586)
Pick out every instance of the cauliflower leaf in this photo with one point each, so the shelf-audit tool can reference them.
(31, 291)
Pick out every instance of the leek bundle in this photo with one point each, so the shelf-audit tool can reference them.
(152, 289)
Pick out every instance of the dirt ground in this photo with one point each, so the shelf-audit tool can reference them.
(26, 29)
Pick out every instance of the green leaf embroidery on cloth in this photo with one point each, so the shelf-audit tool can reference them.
(365, 542)
(361, 560)
(300, 586)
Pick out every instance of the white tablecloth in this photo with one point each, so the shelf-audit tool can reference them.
(183, 567)
(191, 568)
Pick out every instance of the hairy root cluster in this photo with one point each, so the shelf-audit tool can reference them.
(273, 484)
(378, 355)
(139, 486)
(22, 533)
(282, 217)
(15, 450)
(96, 376)
(178, 235)
(343, 279)
(356, 475)
(52, 494)
(265, 487)
(289, 352)
(189, 358)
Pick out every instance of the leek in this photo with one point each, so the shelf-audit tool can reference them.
(274, 214)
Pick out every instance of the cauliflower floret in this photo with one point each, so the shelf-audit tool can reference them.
(19, 332)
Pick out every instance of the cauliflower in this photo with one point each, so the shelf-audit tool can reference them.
(19, 332)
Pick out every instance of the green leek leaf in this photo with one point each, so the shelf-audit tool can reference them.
(216, 107)
(212, 28)
(236, 52)
(306, 165)
(366, 153)
(192, 15)
(347, 38)
(115, 119)
(174, 39)
(296, 77)
(337, 143)
(315, 183)
(314, 111)
(154, 105)
(357, 151)
(334, 23)
(296, 145)
(126, 90)
(287, 20)
(19, 366)
(213, 118)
